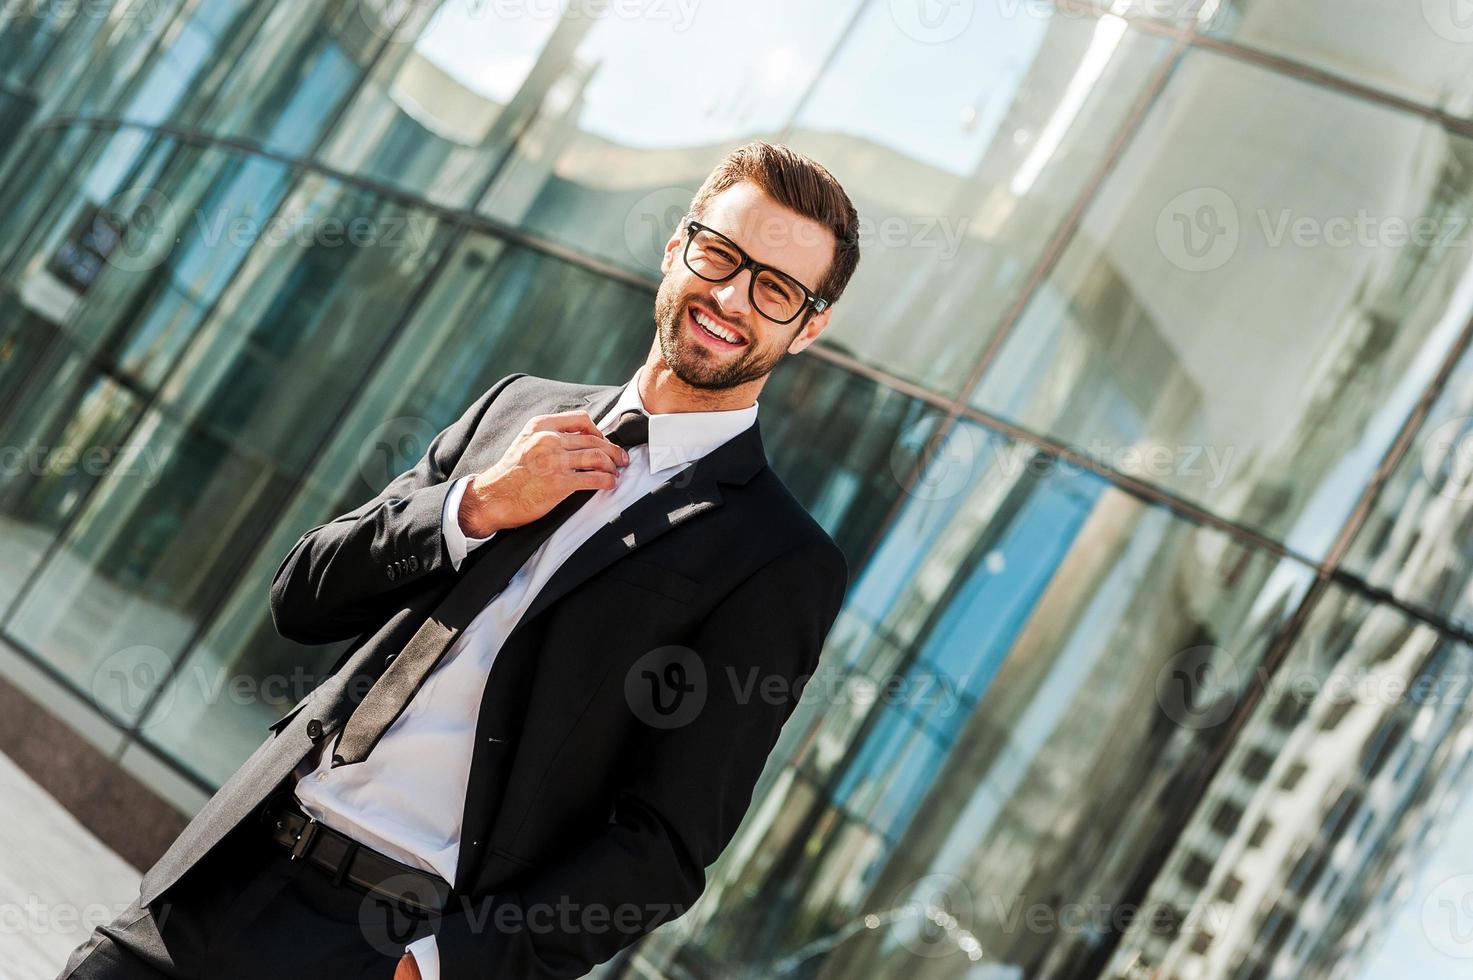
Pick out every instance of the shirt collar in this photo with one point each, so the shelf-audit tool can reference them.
(679, 437)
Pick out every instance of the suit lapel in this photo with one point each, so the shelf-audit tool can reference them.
(690, 492)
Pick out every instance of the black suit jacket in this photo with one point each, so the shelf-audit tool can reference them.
(588, 819)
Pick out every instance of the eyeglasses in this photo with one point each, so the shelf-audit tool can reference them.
(773, 293)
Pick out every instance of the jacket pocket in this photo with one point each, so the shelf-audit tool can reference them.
(654, 578)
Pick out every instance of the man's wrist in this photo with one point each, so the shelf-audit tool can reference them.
(476, 514)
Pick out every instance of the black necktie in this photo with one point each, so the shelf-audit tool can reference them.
(494, 565)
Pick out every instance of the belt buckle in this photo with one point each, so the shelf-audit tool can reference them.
(304, 838)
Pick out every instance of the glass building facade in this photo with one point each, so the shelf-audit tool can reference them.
(1145, 424)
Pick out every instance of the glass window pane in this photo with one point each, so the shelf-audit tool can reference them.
(58, 447)
(611, 145)
(962, 159)
(145, 560)
(441, 107)
(1420, 50)
(321, 293)
(99, 79)
(1251, 337)
(286, 111)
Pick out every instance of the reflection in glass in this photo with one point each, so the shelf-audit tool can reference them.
(1419, 51)
(1304, 845)
(1416, 543)
(612, 151)
(960, 191)
(437, 115)
(1230, 331)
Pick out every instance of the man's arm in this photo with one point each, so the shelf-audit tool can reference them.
(328, 586)
(688, 790)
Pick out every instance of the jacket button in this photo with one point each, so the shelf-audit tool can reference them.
(414, 564)
(314, 729)
(391, 573)
(389, 659)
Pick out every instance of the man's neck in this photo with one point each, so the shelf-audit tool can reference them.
(663, 393)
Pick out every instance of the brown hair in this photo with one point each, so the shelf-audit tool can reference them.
(799, 184)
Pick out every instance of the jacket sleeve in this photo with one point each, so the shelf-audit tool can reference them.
(687, 790)
(330, 586)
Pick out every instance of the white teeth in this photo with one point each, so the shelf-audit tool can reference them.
(719, 331)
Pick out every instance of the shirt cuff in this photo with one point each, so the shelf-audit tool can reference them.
(426, 956)
(457, 545)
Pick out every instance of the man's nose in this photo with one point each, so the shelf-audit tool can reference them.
(731, 295)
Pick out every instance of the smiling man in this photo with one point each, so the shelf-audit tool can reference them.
(579, 623)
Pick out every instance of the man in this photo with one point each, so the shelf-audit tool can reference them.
(582, 619)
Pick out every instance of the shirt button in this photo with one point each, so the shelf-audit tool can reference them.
(322, 777)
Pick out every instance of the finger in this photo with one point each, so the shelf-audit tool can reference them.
(582, 440)
(590, 459)
(593, 480)
(576, 420)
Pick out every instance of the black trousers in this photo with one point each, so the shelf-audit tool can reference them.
(248, 910)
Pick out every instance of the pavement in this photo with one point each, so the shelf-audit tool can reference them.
(57, 881)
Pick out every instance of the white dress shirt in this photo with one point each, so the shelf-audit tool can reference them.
(406, 798)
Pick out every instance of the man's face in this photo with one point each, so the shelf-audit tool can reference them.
(770, 234)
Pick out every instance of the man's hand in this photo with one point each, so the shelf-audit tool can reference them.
(407, 969)
(553, 456)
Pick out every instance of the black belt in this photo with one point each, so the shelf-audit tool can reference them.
(351, 862)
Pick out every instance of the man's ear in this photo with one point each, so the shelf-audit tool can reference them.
(810, 331)
(667, 260)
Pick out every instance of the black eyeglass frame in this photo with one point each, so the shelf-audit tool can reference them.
(810, 298)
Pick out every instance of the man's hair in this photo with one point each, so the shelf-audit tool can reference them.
(799, 184)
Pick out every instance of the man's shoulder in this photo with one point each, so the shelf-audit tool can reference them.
(520, 384)
(791, 522)
(528, 394)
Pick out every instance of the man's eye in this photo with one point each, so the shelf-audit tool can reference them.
(779, 290)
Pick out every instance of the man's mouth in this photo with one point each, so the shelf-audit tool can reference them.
(715, 334)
